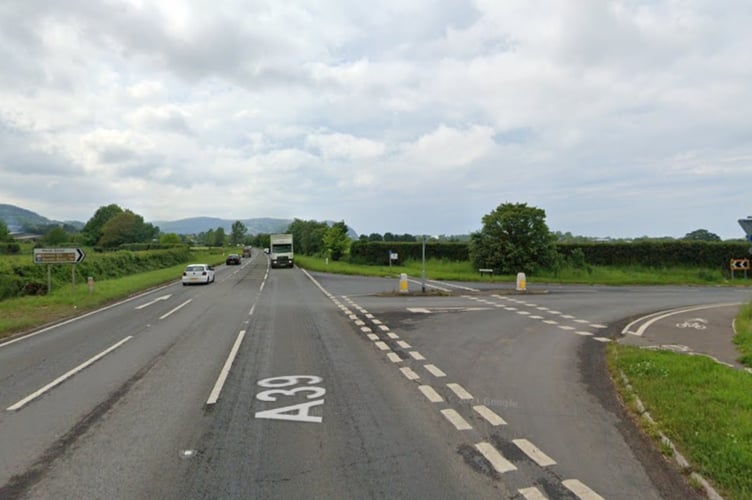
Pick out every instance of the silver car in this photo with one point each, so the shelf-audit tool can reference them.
(198, 273)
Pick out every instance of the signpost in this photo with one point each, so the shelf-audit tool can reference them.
(51, 256)
(739, 265)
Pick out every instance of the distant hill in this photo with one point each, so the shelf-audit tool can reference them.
(196, 225)
(19, 219)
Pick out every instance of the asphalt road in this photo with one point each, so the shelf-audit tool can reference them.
(284, 384)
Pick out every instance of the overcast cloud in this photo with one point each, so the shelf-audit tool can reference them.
(618, 118)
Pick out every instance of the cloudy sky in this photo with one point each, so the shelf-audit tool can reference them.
(618, 118)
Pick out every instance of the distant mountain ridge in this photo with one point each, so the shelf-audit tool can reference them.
(17, 218)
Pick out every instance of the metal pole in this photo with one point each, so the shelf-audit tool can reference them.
(423, 286)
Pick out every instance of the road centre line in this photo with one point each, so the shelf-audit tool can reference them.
(175, 309)
(456, 420)
(67, 375)
(534, 452)
(214, 396)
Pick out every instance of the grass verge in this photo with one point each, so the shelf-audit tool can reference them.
(25, 313)
(705, 408)
(743, 337)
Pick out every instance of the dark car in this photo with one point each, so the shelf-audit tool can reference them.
(233, 259)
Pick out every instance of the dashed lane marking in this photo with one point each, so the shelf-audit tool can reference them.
(430, 394)
(532, 493)
(579, 489)
(417, 356)
(456, 420)
(460, 391)
(534, 452)
(394, 357)
(490, 416)
(403, 344)
(411, 375)
(497, 460)
(435, 371)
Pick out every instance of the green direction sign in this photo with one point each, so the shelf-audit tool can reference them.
(58, 255)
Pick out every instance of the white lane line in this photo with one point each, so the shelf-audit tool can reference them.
(456, 420)
(581, 321)
(499, 463)
(460, 391)
(67, 375)
(596, 325)
(602, 339)
(490, 416)
(535, 316)
(534, 452)
(523, 313)
(382, 346)
(369, 316)
(421, 310)
(532, 493)
(417, 356)
(175, 309)
(376, 322)
(435, 371)
(373, 336)
(565, 327)
(394, 357)
(567, 316)
(411, 375)
(359, 322)
(551, 322)
(365, 329)
(253, 309)
(659, 316)
(430, 393)
(214, 395)
(579, 489)
(383, 328)
(584, 333)
(392, 335)
(403, 344)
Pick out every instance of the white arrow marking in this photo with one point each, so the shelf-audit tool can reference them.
(163, 297)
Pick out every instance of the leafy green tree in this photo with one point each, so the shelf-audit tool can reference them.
(4, 231)
(375, 237)
(514, 238)
(92, 230)
(308, 236)
(336, 240)
(220, 238)
(126, 227)
(237, 235)
(170, 239)
(702, 235)
(55, 236)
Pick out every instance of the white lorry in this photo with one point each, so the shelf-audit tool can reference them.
(281, 250)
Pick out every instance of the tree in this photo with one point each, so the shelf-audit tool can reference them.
(55, 236)
(169, 239)
(126, 227)
(375, 237)
(336, 240)
(514, 238)
(238, 233)
(219, 237)
(702, 235)
(4, 232)
(92, 231)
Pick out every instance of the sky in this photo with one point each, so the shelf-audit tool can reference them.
(618, 118)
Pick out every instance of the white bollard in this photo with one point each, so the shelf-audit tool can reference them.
(403, 283)
(521, 284)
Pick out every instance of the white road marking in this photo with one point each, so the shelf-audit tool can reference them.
(551, 322)
(535, 316)
(67, 375)
(411, 375)
(382, 346)
(567, 316)
(435, 371)
(580, 332)
(214, 396)
(163, 297)
(359, 322)
(383, 328)
(579, 489)
(175, 309)
(489, 415)
(581, 321)
(430, 393)
(365, 329)
(565, 327)
(499, 463)
(373, 336)
(417, 356)
(376, 322)
(659, 316)
(534, 452)
(456, 420)
(403, 344)
(394, 357)
(421, 310)
(523, 313)
(460, 391)
(392, 335)
(602, 339)
(369, 316)
(532, 493)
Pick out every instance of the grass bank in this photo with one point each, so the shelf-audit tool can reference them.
(704, 408)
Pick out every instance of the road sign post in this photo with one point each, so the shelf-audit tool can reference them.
(51, 256)
(739, 265)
